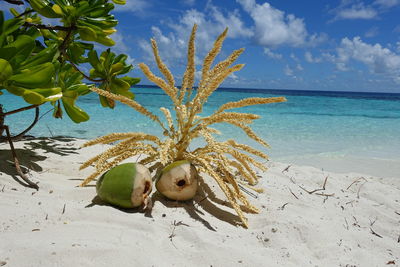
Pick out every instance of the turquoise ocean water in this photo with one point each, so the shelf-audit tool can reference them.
(312, 123)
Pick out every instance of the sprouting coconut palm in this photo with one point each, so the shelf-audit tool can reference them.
(176, 168)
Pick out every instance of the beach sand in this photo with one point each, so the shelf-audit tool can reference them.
(354, 221)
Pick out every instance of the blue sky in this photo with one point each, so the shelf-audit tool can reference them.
(346, 45)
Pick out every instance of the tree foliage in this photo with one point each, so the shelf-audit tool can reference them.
(44, 63)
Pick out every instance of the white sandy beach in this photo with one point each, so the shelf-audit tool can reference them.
(354, 221)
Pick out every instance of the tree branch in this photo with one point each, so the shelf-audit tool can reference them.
(16, 162)
(21, 134)
(25, 13)
(19, 110)
(15, 2)
(84, 75)
(49, 27)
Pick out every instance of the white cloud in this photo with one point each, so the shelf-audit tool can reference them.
(387, 3)
(293, 56)
(378, 59)
(371, 32)
(299, 67)
(188, 2)
(171, 47)
(317, 39)
(356, 11)
(288, 71)
(232, 20)
(271, 54)
(132, 6)
(310, 59)
(232, 79)
(328, 57)
(273, 27)
(173, 44)
(120, 44)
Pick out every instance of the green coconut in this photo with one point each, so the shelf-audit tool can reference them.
(127, 185)
(178, 181)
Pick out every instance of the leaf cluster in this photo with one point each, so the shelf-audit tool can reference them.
(43, 63)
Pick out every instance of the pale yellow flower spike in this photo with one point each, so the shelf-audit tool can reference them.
(229, 163)
(160, 82)
(188, 76)
(162, 67)
(133, 104)
(250, 101)
(227, 62)
(168, 117)
(212, 54)
(112, 138)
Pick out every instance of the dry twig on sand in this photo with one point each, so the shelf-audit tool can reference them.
(293, 193)
(174, 225)
(357, 181)
(286, 169)
(283, 206)
(316, 190)
(374, 233)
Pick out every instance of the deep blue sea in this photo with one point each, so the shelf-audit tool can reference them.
(329, 124)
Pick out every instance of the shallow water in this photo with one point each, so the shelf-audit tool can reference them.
(324, 124)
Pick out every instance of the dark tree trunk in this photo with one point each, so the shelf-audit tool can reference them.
(1, 120)
(9, 139)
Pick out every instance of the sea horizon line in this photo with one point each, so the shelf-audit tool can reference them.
(353, 94)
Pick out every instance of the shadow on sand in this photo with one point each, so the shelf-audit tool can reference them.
(204, 199)
(28, 157)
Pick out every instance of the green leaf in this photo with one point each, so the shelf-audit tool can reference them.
(48, 34)
(35, 77)
(75, 53)
(105, 40)
(6, 70)
(33, 98)
(83, 8)
(11, 25)
(57, 9)
(115, 68)
(7, 52)
(119, 85)
(44, 8)
(22, 48)
(95, 74)
(104, 102)
(119, 2)
(36, 96)
(130, 80)
(80, 89)
(126, 69)
(51, 94)
(87, 33)
(94, 61)
(14, 12)
(46, 55)
(74, 112)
